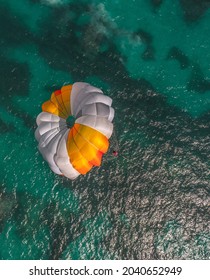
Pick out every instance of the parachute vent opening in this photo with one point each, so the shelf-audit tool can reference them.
(70, 121)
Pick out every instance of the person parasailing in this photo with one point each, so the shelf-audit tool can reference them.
(115, 153)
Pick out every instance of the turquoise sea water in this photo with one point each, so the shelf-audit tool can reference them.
(152, 57)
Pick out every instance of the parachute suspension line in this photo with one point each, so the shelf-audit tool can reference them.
(116, 143)
(117, 146)
(114, 147)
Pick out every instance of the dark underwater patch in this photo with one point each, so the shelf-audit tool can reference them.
(64, 229)
(156, 3)
(5, 127)
(147, 39)
(145, 36)
(8, 204)
(28, 121)
(194, 9)
(148, 53)
(59, 43)
(14, 32)
(35, 1)
(83, 57)
(14, 78)
(177, 54)
(197, 81)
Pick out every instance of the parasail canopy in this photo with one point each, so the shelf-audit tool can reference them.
(73, 129)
